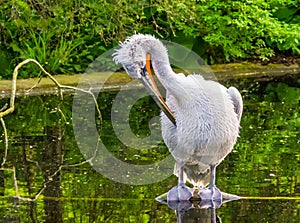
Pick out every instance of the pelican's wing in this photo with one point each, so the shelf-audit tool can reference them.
(237, 101)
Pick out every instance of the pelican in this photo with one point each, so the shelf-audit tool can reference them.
(200, 118)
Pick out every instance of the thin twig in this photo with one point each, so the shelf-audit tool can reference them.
(61, 86)
(35, 85)
(6, 142)
(13, 170)
(15, 182)
(51, 177)
(4, 107)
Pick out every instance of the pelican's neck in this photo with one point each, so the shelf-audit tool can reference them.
(160, 61)
(163, 70)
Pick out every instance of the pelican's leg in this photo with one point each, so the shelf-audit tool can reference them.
(211, 192)
(181, 192)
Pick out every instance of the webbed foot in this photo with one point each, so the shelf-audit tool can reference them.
(181, 192)
(211, 193)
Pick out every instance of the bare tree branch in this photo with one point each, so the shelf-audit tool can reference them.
(6, 142)
(5, 111)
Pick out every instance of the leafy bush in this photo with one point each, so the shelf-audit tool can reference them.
(239, 29)
(65, 36)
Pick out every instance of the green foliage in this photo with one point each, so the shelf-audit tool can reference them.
(239, 29)
(66, 36)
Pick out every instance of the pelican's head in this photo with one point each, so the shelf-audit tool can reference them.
(135, 54)
(135, 51)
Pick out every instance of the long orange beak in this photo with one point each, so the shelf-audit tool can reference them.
(148, 81)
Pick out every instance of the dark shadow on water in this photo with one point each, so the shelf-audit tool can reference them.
(187, 211)
(51, 160)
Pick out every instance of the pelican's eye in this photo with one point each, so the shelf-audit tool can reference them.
(144, 71)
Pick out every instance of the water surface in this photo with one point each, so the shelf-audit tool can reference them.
(264, 166)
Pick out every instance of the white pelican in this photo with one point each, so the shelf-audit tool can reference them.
(200, 118)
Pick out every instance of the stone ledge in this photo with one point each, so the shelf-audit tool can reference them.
(108, 81)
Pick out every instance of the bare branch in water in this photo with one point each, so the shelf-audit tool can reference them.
(4, 107)
(6, 142)
(5, 111)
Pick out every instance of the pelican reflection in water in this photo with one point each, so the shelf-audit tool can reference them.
(200, 118)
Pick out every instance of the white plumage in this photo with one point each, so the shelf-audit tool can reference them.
(207, 114)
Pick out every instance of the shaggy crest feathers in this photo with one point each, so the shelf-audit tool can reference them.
(132, 52)
(130, 46)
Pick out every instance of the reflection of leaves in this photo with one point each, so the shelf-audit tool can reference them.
(283, 92)
(143, 110)
(267, 150)
(288, 94)
(34, 113)
(140, 115)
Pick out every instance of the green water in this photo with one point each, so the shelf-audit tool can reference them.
(264, 166)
